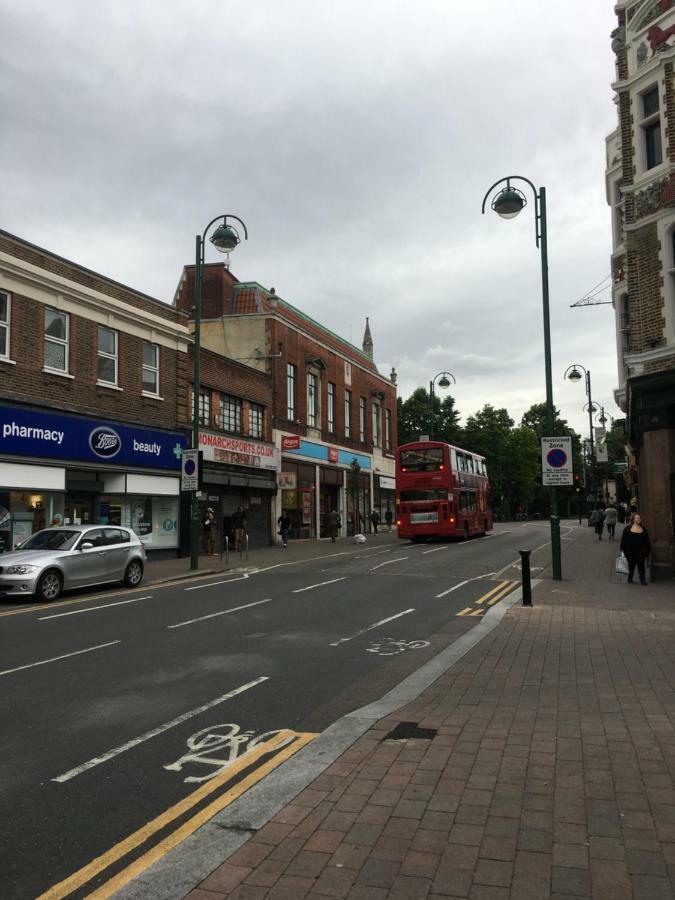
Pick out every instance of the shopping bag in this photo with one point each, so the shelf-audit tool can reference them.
(621, 567)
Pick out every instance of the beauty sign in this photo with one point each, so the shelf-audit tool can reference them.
(556, 461)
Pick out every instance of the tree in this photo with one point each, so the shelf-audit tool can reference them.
(414, 418)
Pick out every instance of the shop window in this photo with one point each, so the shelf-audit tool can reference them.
(387, 430)
(312, 399)
(256, 420)
(362, 418)
(204, 406)
(5, 312)
(150, 369)
(107, 356)
(331, 406)
(291, 373)
(229, 418)
(57, 328)
(377, 425)
(348, 413)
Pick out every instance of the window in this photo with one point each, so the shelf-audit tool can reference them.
(331, 406)
(256, 418)
(150, 369)
(204, 406)
(651, 128)
(5, 304)
(56, 340)
(377, 425)
(348, 413)
(312, 399)
(291, 371)
(107, 356)
(387, 430)
(230, 413)
(362, 418)
(425, 459)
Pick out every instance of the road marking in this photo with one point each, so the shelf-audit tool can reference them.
(495, 590)
(388, 562)
(547, 543)
(435, 550)
(450, 590)
(43, 662)
(468, 611)
(508, 587)
(199, 587)
(142, 835)
(76, 612)
(296, 562)
(97, 760)
(222, 612)
(370, 627)
(320, 584)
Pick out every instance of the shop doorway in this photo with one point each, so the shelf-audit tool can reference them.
(328, 500)
(79, 509)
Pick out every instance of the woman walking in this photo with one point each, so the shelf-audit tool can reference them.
(635, 547)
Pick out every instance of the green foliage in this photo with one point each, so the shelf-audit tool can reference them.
(414, 418)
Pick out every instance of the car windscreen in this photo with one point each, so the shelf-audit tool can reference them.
(427, 459)
(52, 539)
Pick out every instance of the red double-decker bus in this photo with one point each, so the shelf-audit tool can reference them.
(441, 491)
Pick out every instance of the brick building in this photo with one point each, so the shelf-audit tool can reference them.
(641, 193)
(92, 390)
(330, 407)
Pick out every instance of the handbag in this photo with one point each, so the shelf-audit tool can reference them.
(621, 566)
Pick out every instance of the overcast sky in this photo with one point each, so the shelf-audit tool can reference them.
(356, 140)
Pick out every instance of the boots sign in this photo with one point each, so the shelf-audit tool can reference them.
(556, 461)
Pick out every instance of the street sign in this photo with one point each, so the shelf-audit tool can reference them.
(620, 467)
(556, 461)
(189, 480)
(600, 445)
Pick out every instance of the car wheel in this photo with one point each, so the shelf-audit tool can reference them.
(134, 573)
(49, 586)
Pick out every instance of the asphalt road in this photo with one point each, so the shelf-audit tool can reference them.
(100, 694)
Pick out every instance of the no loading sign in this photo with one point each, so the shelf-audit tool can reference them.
(556, 460)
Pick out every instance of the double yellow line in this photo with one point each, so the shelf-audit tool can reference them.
(494, 596)
(138, 838)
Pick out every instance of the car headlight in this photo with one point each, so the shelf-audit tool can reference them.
(19, 570)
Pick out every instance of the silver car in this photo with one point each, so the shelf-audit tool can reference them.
(71, 556)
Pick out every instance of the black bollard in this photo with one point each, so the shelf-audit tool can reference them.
(525, 569)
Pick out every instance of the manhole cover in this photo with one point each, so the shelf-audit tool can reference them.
(406, 730)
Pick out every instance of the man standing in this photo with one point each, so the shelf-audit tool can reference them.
(284, 523)
(375, 519)
(239, 525)
(389, 518)
(334, 521)
(610, 521)
(208, 539)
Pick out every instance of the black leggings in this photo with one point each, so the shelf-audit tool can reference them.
(638, 561)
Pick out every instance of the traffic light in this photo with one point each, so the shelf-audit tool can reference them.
(577, 483)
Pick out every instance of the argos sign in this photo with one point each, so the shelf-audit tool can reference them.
(47, 435)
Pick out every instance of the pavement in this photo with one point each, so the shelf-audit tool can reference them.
(538, 761)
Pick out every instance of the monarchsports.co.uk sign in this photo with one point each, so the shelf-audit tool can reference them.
(556, 461)
(47, 435)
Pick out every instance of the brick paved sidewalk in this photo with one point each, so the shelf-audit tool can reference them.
(551, 774)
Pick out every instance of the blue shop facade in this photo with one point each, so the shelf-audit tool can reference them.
(58, 468)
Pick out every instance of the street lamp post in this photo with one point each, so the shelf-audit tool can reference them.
(573, 374)
(444, 383)
(507, 203)
(225, 238)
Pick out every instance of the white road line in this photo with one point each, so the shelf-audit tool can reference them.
(516, 562)
(296, 562)
(435, 550)
(370, 627)
(450, 590)
(320, 584)
(377, 553)
(43, 662)
(388, 562)
(155, 731)
(76, 612)
(198, 587)
(222, 612)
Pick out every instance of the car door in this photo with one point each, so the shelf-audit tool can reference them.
(117, 542)
(90, 565)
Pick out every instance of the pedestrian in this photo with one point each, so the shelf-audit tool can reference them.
(239, 525)
(208, 537)
(334, 523)
(610, 521)
(621, 513)
(284, 523)
(388, 518)
(635, 547)
(375, 519)
(598, 521)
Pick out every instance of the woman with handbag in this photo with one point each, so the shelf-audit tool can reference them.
(636, 547)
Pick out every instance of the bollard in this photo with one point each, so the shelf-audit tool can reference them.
(525, 569)
(247, 547)
(227, 552)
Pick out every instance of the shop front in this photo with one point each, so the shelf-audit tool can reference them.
(238, 472)
(66, 469)
(314, 480)
(385, 495)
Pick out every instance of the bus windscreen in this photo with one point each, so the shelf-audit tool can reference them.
(428, 459)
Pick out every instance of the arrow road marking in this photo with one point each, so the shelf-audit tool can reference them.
(370, 627)
(388, 562)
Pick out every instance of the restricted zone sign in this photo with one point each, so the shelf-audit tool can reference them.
(190, 470)
(556, 461)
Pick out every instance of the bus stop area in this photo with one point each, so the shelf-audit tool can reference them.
(544, 766)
